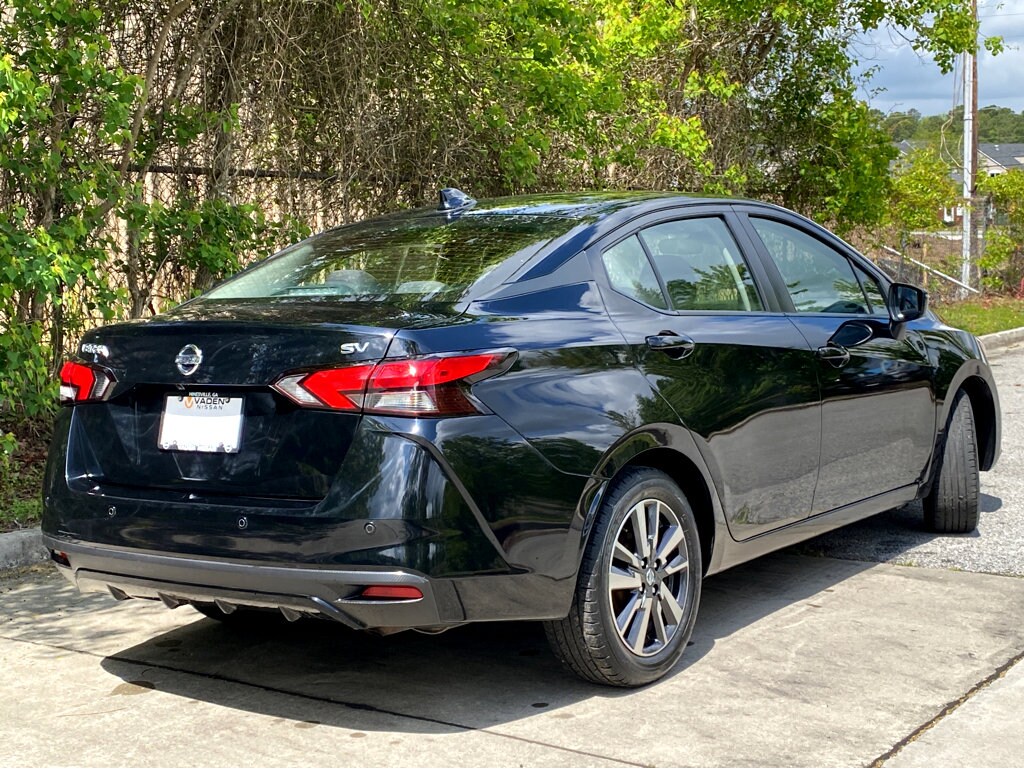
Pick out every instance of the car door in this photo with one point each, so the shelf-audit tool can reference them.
(706, 330)
(878, 411)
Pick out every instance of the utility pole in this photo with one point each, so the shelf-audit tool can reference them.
(970, 157)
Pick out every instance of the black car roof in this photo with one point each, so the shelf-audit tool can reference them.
(573, 205)
(580, 205)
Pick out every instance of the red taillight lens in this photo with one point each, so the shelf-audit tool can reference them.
(428, 372)
(432, 386)
(339, 388)
(79, 382)
(392, 593)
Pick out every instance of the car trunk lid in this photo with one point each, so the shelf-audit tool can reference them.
(222, 360)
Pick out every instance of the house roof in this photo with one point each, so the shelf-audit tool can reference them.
(1009, 155)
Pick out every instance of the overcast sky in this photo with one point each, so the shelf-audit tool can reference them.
(910, 81)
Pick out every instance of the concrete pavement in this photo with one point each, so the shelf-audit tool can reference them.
(795, 661)
(983, 730)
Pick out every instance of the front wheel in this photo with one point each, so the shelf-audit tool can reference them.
(952, 504)
(638, 588)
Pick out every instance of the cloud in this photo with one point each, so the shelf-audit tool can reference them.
(906, 80)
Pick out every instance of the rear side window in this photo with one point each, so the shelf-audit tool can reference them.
(818, 277)
(429, 258)
(701, 265)
(630, 273)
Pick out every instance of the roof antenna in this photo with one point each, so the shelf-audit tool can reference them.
(452, 199)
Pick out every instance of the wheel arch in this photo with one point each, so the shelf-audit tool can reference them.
(685, 474)
(985, 419)
(672, 450)
(975, 379)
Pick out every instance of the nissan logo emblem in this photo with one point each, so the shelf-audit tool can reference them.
(188, 359)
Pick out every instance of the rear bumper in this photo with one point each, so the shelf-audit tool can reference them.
(329, 591)
(410, 505)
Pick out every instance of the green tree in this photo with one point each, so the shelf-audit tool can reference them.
(1000, 124)
(147, 149)
(901, 125)
(921, 188)
(1002, 264)
(63, 109)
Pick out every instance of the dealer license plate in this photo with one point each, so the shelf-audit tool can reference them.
(201, 422)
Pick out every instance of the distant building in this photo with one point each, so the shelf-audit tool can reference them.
(995, 159)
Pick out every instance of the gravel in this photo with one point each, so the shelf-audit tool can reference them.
(997, 547)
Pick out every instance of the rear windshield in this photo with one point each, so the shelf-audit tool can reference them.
(423, 259)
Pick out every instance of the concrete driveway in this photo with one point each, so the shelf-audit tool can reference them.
(829, 654)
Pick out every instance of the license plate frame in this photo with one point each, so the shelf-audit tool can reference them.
(201, 422)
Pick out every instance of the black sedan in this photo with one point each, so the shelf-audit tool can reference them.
(562, 408)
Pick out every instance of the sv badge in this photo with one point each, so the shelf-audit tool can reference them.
(350, 347)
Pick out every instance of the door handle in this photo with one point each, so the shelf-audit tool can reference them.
(834, 354)
(672, 344)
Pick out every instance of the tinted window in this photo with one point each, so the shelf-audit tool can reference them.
(873, 289)
(419, 259)
(701, 265)
(630, 273)
(819, 278)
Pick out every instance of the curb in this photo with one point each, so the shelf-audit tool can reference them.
(1002, 339)
(21, 548)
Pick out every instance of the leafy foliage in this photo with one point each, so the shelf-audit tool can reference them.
(1003, 262)
(922, 187)
(63, 106)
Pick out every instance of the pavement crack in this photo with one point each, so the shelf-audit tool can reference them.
(323, 699)
(947, 709)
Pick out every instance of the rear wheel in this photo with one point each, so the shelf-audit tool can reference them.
(952, 504)
(639, 586)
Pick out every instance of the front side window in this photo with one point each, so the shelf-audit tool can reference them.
(818, 277)
(701, 265)
(874, 292)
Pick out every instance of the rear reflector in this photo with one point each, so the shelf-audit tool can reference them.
(79, 383)
(392, 593)
(434, 386)
(60, 558)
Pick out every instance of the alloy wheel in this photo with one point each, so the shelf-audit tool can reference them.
(648, 579)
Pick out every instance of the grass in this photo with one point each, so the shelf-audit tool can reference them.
(21, 482)
(20, 514)
(983, 316)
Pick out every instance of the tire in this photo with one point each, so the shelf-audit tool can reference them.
(617, 587)
(951, 506)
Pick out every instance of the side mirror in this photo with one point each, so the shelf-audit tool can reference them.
(907, 302)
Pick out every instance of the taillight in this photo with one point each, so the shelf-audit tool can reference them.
(79, 383)
(433, 386)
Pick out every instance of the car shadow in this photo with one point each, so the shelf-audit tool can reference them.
(472, 677)
(888, 537)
